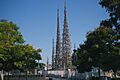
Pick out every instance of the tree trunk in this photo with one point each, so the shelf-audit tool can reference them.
(8, 75)
(26, 75)
(115, 75)
(99, 73)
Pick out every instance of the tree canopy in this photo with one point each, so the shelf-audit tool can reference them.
(102, 46)
(113, 9)
(98, 44)
(14, 54)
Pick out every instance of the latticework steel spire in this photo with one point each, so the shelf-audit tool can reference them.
(58, 47)
(66, 48)
(53, 55)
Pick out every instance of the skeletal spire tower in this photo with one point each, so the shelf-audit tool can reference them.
(53, 55)
(66, 48)
(58, 47)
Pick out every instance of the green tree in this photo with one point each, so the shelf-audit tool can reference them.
(83, 63)
(14, 54)
(9, 38)
(98, 49)
(113, 9)
(27, 56)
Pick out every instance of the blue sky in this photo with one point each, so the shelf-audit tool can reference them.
(37, 20)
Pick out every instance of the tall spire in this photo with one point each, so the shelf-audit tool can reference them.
(53, 57)
(65, 14)
(58, 50)
(66, 48)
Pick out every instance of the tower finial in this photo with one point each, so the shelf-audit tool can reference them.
(65, 13)
(57, 15)
(74, 46)
(65, 3)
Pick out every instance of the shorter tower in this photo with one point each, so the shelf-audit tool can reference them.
(53, 55)
(58, 47)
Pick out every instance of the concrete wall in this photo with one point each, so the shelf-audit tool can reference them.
(63, 73)
(24, 77)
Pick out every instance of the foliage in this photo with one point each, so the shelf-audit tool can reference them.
(28, 56)
(98, 49)
(9, 37)
(113, 9)
(41, 66)
(102, 46)
(14, 54)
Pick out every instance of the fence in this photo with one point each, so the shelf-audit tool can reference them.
(24, 77)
